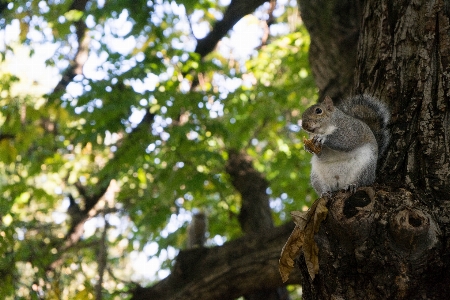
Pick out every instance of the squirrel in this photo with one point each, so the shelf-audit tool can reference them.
(346, 141)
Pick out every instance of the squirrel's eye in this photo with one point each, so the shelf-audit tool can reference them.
(318, 111)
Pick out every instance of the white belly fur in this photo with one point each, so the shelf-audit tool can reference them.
(338, 170)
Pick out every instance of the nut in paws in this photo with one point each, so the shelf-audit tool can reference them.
(312, 145)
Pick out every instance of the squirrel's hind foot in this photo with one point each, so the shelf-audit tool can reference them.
(351, 188)
(326, 194)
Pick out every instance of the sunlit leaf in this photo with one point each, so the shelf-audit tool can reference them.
(73, 15)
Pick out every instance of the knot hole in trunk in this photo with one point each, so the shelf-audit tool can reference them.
(355, 202)
(413, 231)
(351, 216)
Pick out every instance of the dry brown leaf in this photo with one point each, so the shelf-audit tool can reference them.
(307, 225)
(311, 252)
(290, 251)
(300, 218)
(321, 213)
(310, 249)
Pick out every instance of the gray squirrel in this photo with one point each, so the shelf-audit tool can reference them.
(346, 141)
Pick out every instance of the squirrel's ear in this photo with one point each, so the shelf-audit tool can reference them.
(328, 102)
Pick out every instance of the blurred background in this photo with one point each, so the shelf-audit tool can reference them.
(119, 135)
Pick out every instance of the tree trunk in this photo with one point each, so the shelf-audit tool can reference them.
(390, 241)
(334, 27)
(255, 215)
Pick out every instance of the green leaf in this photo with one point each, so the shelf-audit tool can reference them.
(73, 15)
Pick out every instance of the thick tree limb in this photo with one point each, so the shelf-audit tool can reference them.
(224, 272)
(410, 74)
(234, 12)
(334, 28)
(255, 215)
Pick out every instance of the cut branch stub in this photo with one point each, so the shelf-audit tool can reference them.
(384, 236)
(351, 217)
(413, 231)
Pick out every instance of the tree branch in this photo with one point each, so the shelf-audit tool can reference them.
(255, 215)
(102, 260)
(266, 27)
(92, 201)
(76, 230)
(243, 264)
(7, 136)
(3, 6)
(235, 11)
(76, 65)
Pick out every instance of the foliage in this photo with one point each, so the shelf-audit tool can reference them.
(132, 125)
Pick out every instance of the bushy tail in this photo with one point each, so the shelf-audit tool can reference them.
(374, 113)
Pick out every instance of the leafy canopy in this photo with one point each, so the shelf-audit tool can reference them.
(149, 122)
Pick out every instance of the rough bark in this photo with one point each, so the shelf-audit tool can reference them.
(334, 27)
(382, 243)
(224, 272)
(390, 241)
(404, 57)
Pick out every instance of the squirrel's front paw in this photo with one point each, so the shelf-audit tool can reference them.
(317, 140)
